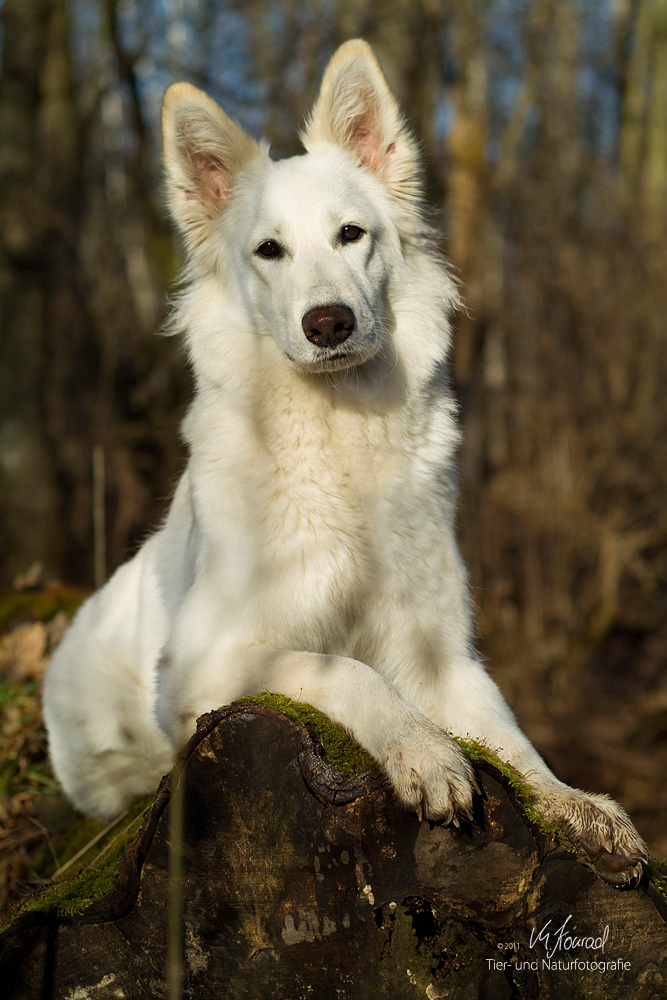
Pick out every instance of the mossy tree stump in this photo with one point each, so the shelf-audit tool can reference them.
(295, 882)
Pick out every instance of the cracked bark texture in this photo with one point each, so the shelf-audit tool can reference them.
(295, 884)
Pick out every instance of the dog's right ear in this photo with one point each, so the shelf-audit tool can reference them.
(203, 152)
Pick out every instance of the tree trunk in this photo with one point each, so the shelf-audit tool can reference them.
(84, 255)
(33, 106)
(295, 883)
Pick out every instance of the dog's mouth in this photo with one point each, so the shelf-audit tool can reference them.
(331, 360)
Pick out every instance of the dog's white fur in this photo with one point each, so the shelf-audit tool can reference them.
(310, 545)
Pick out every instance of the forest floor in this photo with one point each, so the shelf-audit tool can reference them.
(41, 835)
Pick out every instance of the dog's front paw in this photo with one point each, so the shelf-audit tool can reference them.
(430, 774)
(601, 830)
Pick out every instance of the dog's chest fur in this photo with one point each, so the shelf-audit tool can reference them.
(304, 482)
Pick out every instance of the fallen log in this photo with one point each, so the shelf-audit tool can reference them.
(288, 880)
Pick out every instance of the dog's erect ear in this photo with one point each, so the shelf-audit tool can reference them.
(355, 109)
(203, 152)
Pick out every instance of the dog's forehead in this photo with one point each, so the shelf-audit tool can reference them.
(320, 184)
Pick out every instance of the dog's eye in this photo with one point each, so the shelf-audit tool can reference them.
(269, 249)
(349, 234)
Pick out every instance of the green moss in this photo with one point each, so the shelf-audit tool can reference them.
(342, 752)
(349, 759)
(657, 872)
(524, 794)
(41, 605)
(73, 894)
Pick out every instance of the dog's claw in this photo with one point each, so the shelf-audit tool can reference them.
(601, 830)
(616, 869)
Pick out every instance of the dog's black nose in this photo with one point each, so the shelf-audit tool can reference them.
(328, 325)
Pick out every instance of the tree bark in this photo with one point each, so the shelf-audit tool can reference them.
(295, 883)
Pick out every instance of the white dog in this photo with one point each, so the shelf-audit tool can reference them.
(310, 545)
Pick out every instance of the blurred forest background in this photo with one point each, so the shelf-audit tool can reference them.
(544, 130)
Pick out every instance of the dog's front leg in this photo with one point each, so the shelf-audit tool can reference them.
(430, 774)
(468, 703)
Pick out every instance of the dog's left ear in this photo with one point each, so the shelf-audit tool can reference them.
(355, 109)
